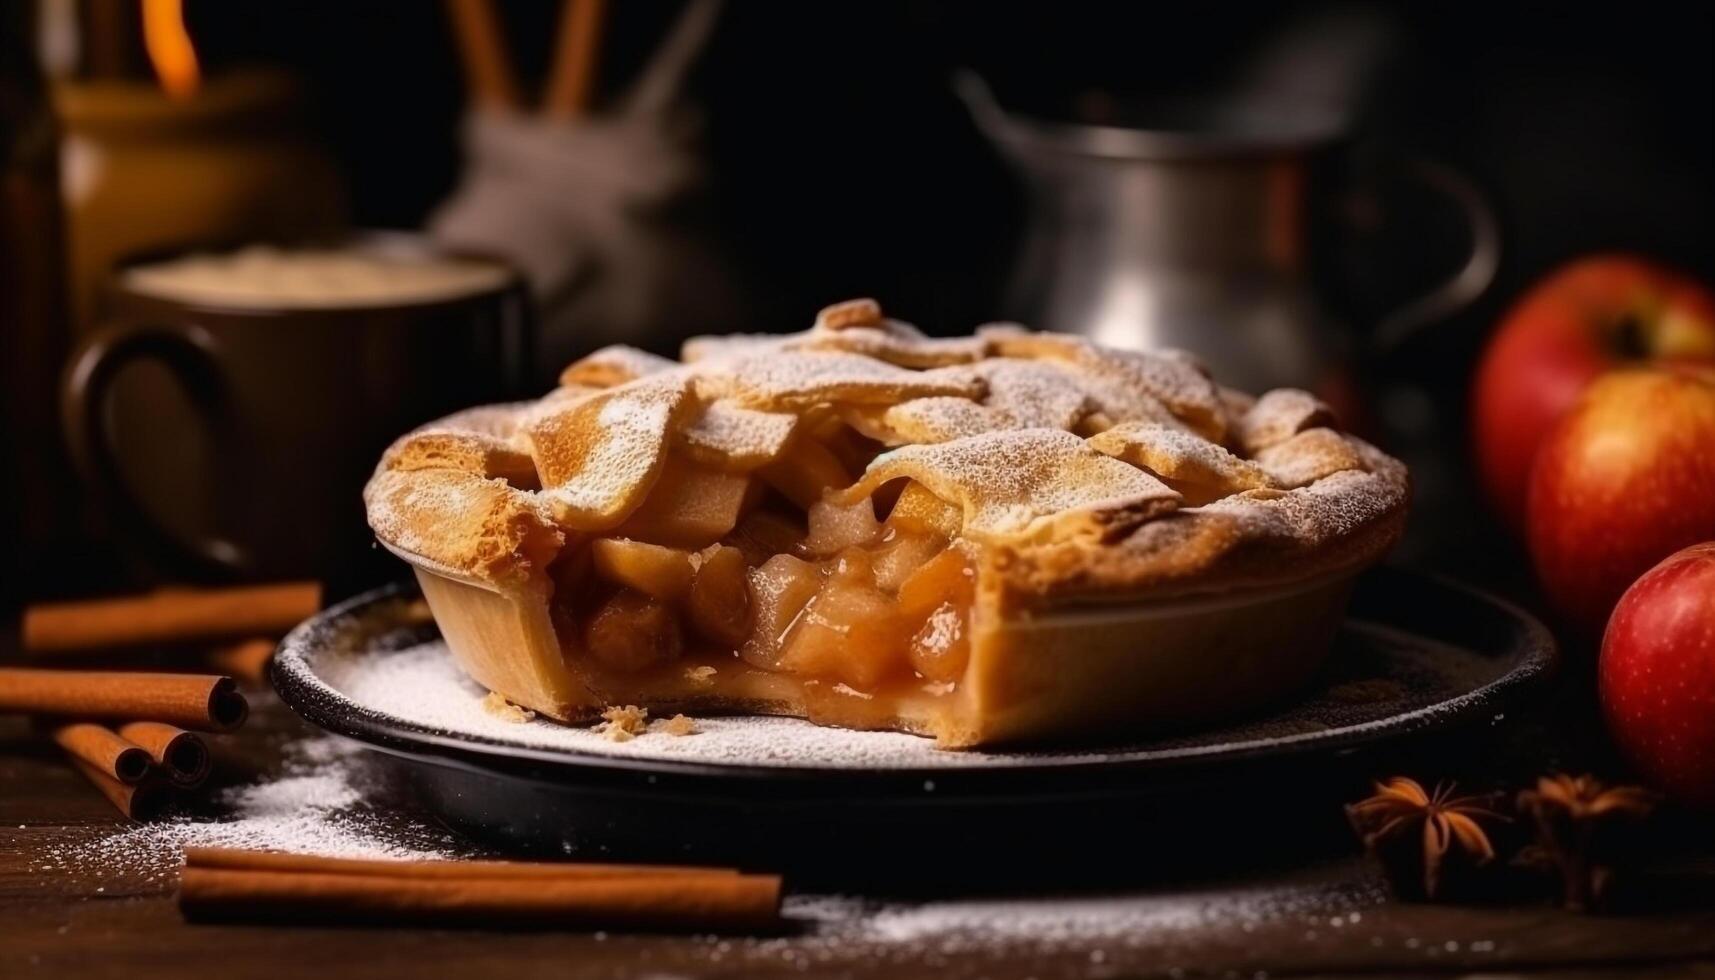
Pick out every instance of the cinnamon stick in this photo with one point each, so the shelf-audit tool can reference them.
(104, 750)
(205, 702)
(137, 801)
(571, 80)
(172, 616)
(482, 49)
(696, 901)
(247, 660)
(182, 755)
(245, 860)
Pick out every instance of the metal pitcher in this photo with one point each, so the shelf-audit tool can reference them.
(1198, 239)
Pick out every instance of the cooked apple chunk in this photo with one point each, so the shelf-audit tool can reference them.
(719, 602)
(835, 527)
(691, 506)
(942, 646)
(655, 570)
(631, 631)
(805, 472)
(919, 511)
(851, 633)
(779, 588)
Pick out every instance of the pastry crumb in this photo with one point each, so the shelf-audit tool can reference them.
(679, 725)
(505, 710)
(701, 676)
(622, 723)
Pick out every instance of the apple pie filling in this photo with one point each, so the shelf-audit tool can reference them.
(992, 538)
(745, 581)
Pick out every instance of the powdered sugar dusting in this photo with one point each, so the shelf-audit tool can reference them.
(1122, 379)
(423, 685)
(926, 420)
(481, 526)
(1021, 395)
(1080, 920)
(1037, 395)
(1007, 482)
(1334, 506)
(598, 457)
(1278, 416)
(1141, 932)
(420, 685)
(323, 801)
(1309, 456)
(1175, 454)
(801, 379)
(737, 437)
(318, 802)
(990, 422)
(894, 342)
(942, 629)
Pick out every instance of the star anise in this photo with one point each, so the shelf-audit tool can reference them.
(1576, 821)
(1402, 818)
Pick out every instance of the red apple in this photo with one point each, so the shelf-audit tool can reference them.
(1657, 674)
(1625, 479)
(1587, 318)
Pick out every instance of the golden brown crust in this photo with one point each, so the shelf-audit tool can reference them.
(600, 454)
(466, 451)
(613, 365)
(738, 439)
(798, 381)
(477, 527)
(1149, 548)
(1278, 416)
(1028, 485)
(1307, 457)
(1253, 539)
(1171, 378)
(1181, 459)
(862, 312)
(1083, 473)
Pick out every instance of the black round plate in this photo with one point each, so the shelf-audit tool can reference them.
(1418, 654)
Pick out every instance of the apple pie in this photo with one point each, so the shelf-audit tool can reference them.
(1006, 537)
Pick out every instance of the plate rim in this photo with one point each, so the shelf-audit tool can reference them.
(319, 703)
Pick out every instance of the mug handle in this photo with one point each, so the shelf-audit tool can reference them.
(1472, 277)
(189, 352)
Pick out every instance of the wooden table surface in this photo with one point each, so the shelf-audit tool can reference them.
(1327, 914)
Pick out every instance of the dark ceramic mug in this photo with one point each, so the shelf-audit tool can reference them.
(247, 457)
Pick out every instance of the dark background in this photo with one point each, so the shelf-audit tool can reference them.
(840, 163)
(1591, 128)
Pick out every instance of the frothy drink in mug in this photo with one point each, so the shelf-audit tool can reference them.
(290, 369)
(266, 276)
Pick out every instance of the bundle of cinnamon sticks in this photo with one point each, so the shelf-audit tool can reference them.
(133, 733)
(233, 885)
(570, 90)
